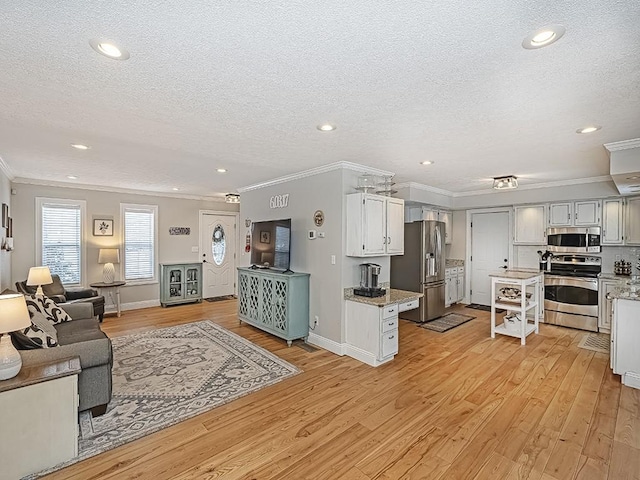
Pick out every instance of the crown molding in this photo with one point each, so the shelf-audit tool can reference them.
(317, 171)
(535, 186)
(100, 188)
(6, 170)
(623, 145)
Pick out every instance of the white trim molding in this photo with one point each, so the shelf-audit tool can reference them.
(428, 188)
(317, 171)
(327, 344)
(623, 145)
(6, 170)
(139, 305)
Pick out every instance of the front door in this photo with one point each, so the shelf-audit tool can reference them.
(218, 254)
(489, 252)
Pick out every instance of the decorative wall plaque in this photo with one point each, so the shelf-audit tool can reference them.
(179, 230)
(318, 218)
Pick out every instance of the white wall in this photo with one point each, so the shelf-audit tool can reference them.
(5, 257)
(172, 212)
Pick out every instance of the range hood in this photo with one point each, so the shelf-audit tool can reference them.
(625, 165)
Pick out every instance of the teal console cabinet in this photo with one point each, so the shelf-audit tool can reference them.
(275, 302)
(180, 283)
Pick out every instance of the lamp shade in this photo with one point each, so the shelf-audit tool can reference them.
(39, 276)
(14, 314)
(109, 255)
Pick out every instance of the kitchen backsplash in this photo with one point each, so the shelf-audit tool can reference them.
(527, 256)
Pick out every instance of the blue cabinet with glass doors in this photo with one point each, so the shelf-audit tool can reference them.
(180, 283)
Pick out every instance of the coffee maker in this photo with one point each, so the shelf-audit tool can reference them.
(369, 273)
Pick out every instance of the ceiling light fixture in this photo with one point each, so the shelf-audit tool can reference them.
(543, 36)
(589, 129)
(109, 49)
(72, 177)
(232, 198)
(175, 189)
(505, 183)
(221, 170)
(326, 127)
(80, 146)
(635, 177)
(427, 162)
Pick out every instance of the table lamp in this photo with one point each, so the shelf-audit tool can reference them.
(39, 276)
(109, 256)
(13, 316)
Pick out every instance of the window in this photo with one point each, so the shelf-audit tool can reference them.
(140, 242)
(60, 238)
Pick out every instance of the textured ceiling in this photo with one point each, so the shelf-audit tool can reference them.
(242, 85)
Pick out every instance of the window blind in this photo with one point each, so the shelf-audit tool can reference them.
(62, 241)
(139, 244)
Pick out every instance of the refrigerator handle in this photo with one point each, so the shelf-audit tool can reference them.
(438, 249)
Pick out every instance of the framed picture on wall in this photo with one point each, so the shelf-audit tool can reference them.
(102, 227)
(265, 236)
(5, 215)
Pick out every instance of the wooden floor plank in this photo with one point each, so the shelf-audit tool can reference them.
(457, 405)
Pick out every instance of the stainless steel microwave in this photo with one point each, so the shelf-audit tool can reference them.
(574, 240)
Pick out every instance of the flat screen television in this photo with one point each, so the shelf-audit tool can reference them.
(270, 244)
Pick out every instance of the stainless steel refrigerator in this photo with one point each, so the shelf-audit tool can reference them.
(421, 268)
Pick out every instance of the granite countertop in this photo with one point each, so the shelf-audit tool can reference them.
(393, 296)
(613, 276)
(626, 292)
(452, 262)
(519, 274)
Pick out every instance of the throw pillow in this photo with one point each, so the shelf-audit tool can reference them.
(47, 307)
(41, 334)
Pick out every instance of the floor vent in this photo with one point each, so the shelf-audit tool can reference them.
(598, 342)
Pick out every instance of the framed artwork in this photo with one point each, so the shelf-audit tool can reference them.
(5, 215)
(10, 227)
(102, 228)
(265, 236)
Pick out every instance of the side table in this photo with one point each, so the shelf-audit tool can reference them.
(39, 417)
(108, 286)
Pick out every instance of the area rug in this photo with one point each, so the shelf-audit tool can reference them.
(484, 308)
(168, 375)
(219, 299)
(447, 322)
(598, 342)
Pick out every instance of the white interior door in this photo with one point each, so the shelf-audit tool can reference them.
(218, 254)
(489, 252)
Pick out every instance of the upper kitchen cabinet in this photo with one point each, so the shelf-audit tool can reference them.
(568, 214)
(530, 225)
(375, 225)
(612, 221)
(633, 221)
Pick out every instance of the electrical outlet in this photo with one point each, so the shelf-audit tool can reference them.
(194, 249)
(317, 320)
(333, 259)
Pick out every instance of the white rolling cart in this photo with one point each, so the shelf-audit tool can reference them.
(522, 280)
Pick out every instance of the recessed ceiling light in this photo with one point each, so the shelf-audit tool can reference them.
(326, 127)
(80, 146)
(175, 189)
(221, 170)
(427, 162)
(72, 177)
(109, 49)
(543, 36)
(635, 177)
(589, 129)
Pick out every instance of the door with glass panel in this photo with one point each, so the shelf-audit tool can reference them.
(217, 252)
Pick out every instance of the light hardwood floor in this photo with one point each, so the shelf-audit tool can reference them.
(457, 405)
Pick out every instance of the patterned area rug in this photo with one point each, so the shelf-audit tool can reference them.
(220, 299)
(447, 322)
(165, 376)
(598, 342)
(484, 308)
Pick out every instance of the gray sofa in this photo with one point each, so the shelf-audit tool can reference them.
(83, 338)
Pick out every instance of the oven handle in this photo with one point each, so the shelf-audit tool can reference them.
(557, 280)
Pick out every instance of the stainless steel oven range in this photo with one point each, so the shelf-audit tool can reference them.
(571, 291)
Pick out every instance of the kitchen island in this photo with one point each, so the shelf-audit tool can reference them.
(371, 334)
(514, 281)
(625, 331)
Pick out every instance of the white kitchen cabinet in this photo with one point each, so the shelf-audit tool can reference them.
(450, 286)
(612, 221)
(460, 284)
(582, 213)
(375, 225)
(371, 332)
(440, 216)
(530, 225)
(605, 305)
(632, 223)
(625, 330)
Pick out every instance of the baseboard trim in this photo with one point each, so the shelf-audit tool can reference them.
(139, 305)
(327, 344)
(631, 379)
(364, 356)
